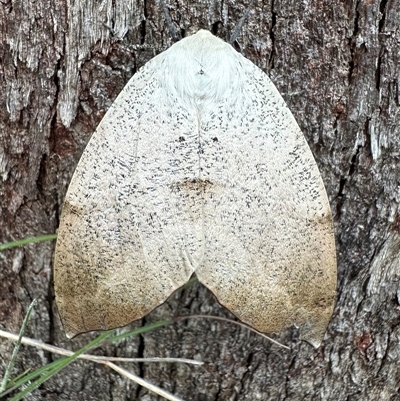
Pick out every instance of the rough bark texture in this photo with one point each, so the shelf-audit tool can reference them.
(337, 65)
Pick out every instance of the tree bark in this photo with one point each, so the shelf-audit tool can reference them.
(335, 62)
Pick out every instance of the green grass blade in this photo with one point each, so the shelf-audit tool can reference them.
(16, 348)
(51, 369)
(26, 241)
(42, 374)
(141, 330)
(28, 377)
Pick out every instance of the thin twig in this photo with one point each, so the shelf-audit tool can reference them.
(223, 319)
(143, 383)
(94, 358)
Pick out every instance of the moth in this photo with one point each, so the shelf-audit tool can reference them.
(197, 167)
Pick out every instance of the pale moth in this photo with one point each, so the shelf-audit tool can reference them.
(198, 166)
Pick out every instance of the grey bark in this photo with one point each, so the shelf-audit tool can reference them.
(337, 65)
